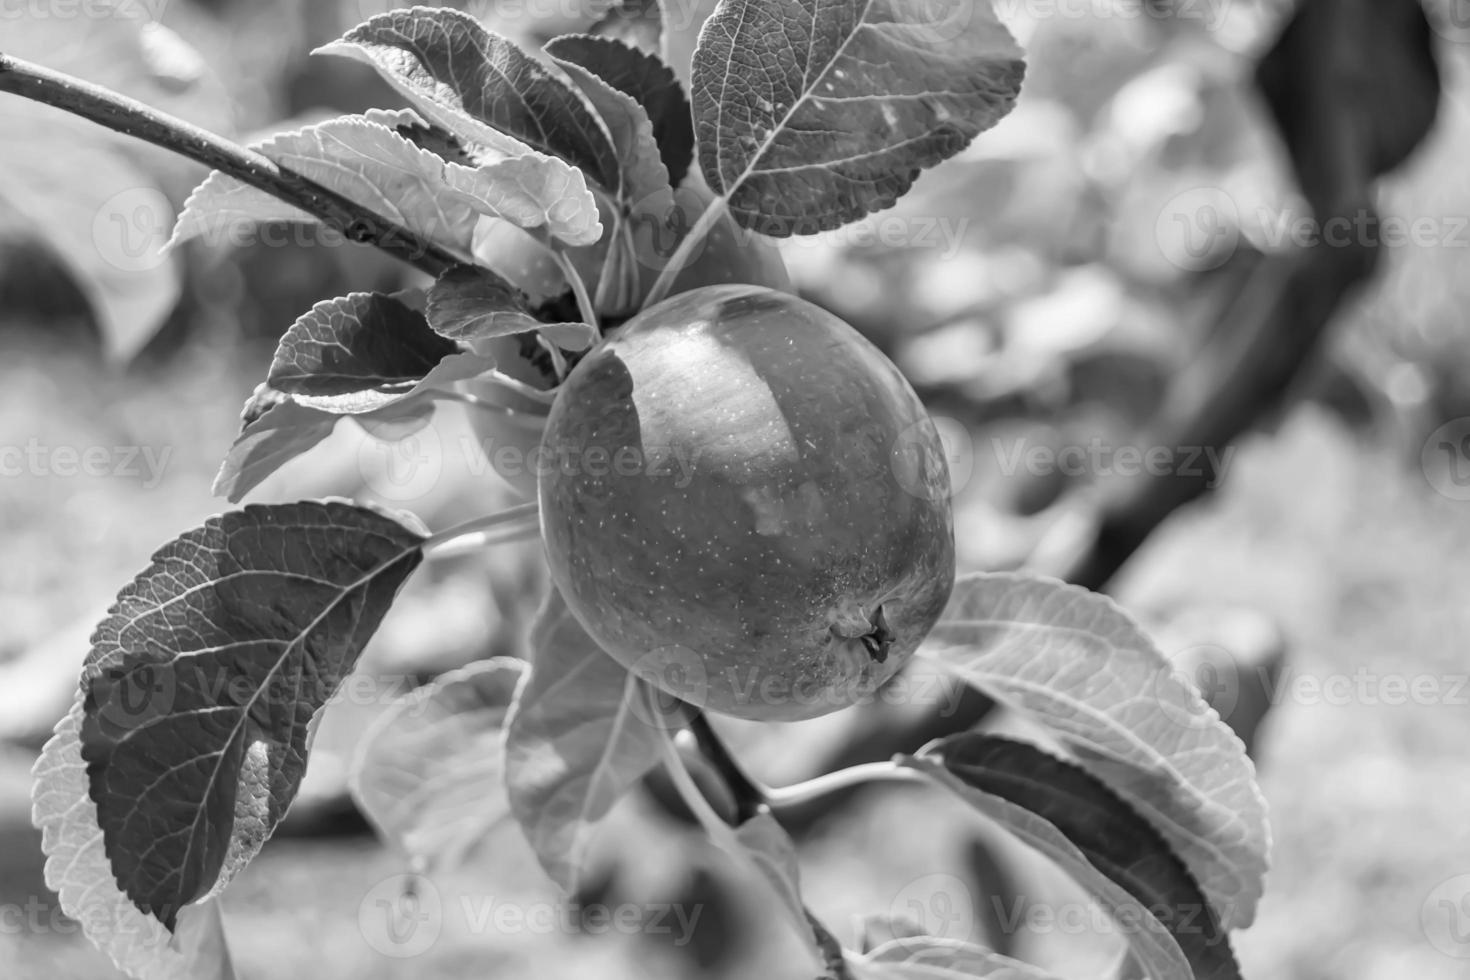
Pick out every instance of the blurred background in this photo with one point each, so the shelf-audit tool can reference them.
(1155, 377)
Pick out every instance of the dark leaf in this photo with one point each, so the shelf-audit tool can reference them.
(1113, 838)
(363, 342)
(480, 86)
(469, 304)
(204, 677)
(277, 430)
(645, 79)
(811, 114)
(1077, 664)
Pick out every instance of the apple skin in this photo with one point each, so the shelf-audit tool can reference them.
(739, 482)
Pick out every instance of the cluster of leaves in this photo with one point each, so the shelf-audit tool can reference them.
(190, 732)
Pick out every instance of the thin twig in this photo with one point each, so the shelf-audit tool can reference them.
(132, 118)
(749, 795)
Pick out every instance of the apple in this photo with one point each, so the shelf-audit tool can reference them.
(727, 255)
(743, 501)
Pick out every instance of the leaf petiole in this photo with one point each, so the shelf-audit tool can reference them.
(512, 524)
(685, 252)
(579, 288)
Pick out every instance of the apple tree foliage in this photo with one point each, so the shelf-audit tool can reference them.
(192, 723)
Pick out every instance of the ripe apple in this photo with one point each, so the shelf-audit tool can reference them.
(744, 502)
(727, 255)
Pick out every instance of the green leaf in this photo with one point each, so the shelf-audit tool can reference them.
(1112, 851)
(469, 304)
(646, 80)
(274, 434)
(773, 853)
(77, 870)
(430, 772)
(1076, 663)
(811, 114)
(415, 188)
(363, 352)
(637, 23)
(481, 87)
(426, 136)
(576, 741)
(641, 171)
(221, 209)
(932, 958)
(204, 678)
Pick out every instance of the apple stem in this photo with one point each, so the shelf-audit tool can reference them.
(685, 252)
(132, 118)
(800, 794)
(749, 794)
(579, 289)
(719, 831)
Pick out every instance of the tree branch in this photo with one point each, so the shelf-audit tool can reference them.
(132, 118)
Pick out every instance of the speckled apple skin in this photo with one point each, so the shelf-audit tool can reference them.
(777, 472)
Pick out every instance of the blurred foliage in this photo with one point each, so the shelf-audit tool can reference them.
(1037, 289)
